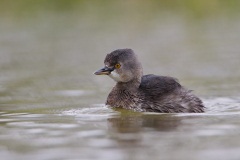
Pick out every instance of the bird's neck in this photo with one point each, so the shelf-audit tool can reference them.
(131, 85)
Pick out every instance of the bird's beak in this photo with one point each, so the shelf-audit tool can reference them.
(104, 71)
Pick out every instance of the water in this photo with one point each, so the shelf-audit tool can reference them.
(52, 106)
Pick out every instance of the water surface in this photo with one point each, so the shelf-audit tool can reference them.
(52, 106)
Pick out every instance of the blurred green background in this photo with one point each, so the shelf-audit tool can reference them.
(195, 8)
(48, 45)
(194, 40)
(52, 106)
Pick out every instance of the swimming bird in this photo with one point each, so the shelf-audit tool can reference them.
(145, 93)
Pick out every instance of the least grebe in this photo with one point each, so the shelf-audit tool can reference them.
(145, 93)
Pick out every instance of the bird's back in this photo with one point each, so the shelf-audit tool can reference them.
(165, 94)
(153, 85)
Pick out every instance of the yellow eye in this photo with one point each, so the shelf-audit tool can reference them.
(117, 65)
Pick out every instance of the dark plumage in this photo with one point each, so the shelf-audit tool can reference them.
(148, 93)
